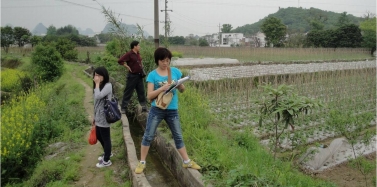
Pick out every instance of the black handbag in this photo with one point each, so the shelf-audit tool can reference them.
(111, 110)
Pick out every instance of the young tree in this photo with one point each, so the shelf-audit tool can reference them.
(47, 62)
(35, 40)
(226, 28)
(7, 37)
(275, 31)
(21, 36)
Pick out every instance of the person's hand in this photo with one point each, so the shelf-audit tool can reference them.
(128, 67)
(165, 87)
(97, 79)
(93, 123)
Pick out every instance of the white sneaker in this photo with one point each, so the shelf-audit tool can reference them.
(101, 157)
(102, 164)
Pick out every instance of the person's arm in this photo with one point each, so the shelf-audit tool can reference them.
(152, 94)
(125, 58)
(181, 88)
(104, 92)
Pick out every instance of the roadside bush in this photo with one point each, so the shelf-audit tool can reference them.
(10, 79)
(47, 62)
(66, 48)
(10, 62)
(177, 54)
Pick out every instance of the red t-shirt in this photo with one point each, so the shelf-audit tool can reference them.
(133, 60)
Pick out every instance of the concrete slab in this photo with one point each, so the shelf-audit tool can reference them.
(202, 61)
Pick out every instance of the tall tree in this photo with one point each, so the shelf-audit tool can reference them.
(34, 40)
(226, 28)
(275, 31)
(69, 29)
(368, 28)
(7, 38)
(343, 19)
(21, 36)
(51, 30)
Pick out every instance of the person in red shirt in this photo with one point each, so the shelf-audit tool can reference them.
(135, 77)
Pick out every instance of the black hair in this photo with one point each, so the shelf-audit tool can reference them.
(161, 53)
(133, 44)
(103, 72)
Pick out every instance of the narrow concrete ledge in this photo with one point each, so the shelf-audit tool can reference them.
(138, 180)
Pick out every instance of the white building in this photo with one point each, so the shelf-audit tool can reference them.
(225, 39)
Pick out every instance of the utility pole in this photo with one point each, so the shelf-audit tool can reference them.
(219, 35)
(156, 25)
(166, 17)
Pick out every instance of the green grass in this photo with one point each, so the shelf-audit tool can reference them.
(72, 126)
(232, 157)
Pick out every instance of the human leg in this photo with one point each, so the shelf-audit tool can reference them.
(140, 90)
(105, 136)
(154, 118)
(172, 119)
(127, 93)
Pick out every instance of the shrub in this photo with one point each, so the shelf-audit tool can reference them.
(10, 62)
(48, 63)
(177, 54)
(67, 49)
(10, 79)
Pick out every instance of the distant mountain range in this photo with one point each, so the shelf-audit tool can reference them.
(40, 29)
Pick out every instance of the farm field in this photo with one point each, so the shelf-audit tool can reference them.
(346, 87)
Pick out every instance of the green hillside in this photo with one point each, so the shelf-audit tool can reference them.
(298, 19)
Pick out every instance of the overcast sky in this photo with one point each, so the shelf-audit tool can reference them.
(198, 17)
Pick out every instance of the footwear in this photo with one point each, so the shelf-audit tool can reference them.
(140, 168)
(101, 157)
(123, 111)
(192, 165)
(102, 164)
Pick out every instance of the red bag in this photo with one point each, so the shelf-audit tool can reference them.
(93, 136)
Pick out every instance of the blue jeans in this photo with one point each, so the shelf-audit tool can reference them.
(156, 115)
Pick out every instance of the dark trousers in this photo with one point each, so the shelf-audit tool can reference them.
(103, 136)
(134, 81)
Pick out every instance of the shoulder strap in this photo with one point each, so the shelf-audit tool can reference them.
(169, 75)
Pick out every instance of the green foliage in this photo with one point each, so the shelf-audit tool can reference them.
(66, 48)
(226, 28)
(21, 35)
(51, 30)
(69, 29)
(203, 42)
(114, 48)
(275, 31)
(7, 37)
(299, 20)
(47, 62)
(281, 105)
(10, 61)
(368, 28)
(177, 54)
(35, 40)
(344, 36)
(343, 20)
(105, 37)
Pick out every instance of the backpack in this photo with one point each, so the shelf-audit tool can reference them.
(111, 110)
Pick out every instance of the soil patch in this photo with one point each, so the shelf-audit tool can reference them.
(344, 175)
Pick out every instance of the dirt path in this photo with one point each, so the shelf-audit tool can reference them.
(90, 174)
